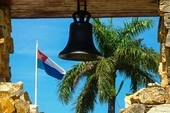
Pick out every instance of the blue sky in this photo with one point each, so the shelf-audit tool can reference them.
(52, 35)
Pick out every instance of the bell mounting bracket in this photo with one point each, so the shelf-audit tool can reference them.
(82, 15)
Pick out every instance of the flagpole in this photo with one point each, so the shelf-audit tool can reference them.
(36, 72)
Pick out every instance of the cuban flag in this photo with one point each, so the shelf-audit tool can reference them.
(50, 67)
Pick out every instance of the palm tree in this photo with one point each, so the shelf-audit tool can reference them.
(122, 52)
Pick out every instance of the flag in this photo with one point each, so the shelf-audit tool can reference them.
(50, 67)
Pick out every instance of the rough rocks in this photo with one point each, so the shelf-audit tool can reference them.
(13, 99)
(153, 99)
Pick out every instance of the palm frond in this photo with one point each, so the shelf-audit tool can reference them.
(140, 79)
(107, 44)
(87, 97)
(135, 27)
(89, 66)
(68, 84)
(66, 88)
(105, 71)
(138, 55)
(120, 87)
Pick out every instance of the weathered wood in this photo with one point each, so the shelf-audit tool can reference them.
(65, 8)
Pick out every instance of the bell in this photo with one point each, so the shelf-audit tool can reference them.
(80, 46)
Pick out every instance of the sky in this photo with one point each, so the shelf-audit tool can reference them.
(52, 36)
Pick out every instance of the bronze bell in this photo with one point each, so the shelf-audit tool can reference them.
(80, 46)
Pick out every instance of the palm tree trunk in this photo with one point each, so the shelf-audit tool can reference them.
(111, 105)
(112, 99)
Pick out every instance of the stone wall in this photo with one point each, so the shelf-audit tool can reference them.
(153, 99)
(6, 43)
(164, 40)
(13, 99)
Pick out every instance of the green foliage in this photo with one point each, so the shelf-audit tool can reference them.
(122, 52)
(86, 99)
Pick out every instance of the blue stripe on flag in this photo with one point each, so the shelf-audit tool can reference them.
(52, 72)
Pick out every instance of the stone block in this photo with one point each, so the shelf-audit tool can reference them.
(135, 108)
(22, 106)
(167, 42)
(25, 97)
(33, 109)
(13, 99)
(164, 5)
(150, 96)
(2, 79)
(7, 105)
(167, 20)
(3, 94)
(167, 94)
(164, 108)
